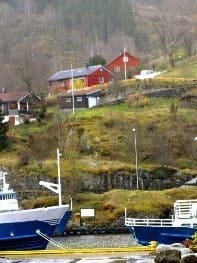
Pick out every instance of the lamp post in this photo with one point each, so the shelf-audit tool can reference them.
(136, 159)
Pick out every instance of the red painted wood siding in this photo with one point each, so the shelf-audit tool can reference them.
(93, 79)
(118, 62)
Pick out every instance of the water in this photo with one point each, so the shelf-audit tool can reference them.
(90, 241)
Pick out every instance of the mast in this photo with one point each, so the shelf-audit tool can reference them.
(55, 187)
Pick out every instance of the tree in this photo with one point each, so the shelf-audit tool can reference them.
(168, 29)
(173, 111)
(97, 60)
(4, 142)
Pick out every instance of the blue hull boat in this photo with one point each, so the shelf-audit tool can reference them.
(61, 228)
(163, 235)
(180, 227)
(26, 229)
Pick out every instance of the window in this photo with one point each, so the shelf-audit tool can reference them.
(23, 106)
(79, 99)
(117, 69)
(12, 106)
(101, 80)
(125, 59)
(68, 99)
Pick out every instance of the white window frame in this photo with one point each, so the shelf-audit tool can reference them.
(79, 98)
(101, 80)
(117, 69)
(68, 99)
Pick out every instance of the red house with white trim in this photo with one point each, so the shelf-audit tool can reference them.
(122, 62)
(82, 78)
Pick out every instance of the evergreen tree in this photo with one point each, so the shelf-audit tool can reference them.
(4, 142)
(97, 60)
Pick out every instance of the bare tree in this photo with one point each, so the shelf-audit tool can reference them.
(31, 69)
(166, 24)
(168, 32)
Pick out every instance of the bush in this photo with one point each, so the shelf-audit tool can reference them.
(51, 101)
(137, 100)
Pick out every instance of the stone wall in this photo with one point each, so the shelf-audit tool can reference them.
(149, 90)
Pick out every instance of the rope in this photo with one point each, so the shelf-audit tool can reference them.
(50, 240)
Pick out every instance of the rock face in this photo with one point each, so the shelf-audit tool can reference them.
(189, 259)
(157, 179)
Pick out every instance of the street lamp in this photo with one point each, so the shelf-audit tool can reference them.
(136, 159)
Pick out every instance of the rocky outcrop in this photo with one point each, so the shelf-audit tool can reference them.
(175, 253)
(168, 256)
(158, 178)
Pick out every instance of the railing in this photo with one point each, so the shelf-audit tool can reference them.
(185, 208)
(148, 222)
(18, 112)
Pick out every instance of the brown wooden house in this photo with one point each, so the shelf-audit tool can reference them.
(16, 105)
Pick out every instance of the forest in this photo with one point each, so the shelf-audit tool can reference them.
(39, 38)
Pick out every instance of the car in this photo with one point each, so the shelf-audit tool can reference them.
(148, 74)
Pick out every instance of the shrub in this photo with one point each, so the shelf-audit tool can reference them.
(51, 101)
(137, 100)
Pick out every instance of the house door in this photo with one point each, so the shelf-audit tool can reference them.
(92, 101)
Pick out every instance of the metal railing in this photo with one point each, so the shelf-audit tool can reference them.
(148, 222)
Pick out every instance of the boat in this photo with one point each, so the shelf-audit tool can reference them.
(26, 229)
(180, 227)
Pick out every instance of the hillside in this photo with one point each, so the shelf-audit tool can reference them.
(99, 143)
(185, 69)
(98, 162)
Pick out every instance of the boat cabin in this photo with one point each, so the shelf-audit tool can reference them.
(8, 198)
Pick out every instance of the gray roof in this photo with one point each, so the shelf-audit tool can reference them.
(79, 72)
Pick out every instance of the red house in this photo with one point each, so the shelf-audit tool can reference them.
(82, 78)
(123, 63)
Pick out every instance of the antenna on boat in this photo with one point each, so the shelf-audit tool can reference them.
(55, 187)
(59, 177)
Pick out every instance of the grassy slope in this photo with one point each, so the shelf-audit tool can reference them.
(186, 69)
(101, 130)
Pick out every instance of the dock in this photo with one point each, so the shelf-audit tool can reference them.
(69, 251)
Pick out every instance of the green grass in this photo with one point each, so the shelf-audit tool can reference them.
(186, 70)
(111, 205)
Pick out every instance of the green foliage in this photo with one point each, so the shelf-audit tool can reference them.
(97, 60)
(173, 111)
(137, 100)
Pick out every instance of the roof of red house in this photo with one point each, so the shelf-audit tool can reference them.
(122, 54)
(78, 72)
(81, 92)
(11, 96)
